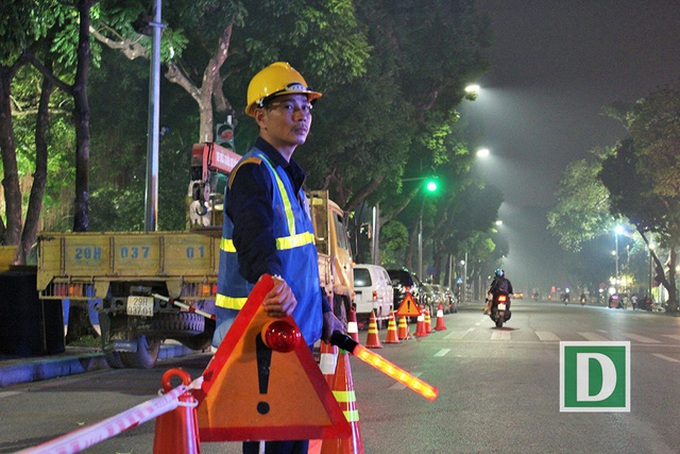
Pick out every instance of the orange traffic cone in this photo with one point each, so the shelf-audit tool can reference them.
(403, 332)
(420, 325)
(392, 337)
(177, 431)
(329, 361)
(328, 366)
(372, 340)
(428, 321)
(440, 318)
(343, 390)
(352, 325)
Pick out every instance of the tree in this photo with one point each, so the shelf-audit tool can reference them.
(643, 177)
(582, 210)
(25, 28)
(210, 43)
(78, 90)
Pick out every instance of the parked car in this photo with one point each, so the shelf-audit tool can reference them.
(373, 289)
(448, 299)
(431, 297)
(403, 282)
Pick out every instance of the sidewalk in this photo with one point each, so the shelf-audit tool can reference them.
(74, 360)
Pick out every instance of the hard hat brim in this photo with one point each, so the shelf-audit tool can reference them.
(311, 96)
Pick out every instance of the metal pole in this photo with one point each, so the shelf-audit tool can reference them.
(420, 247)
(151, 195)
(465, 275)
(616, 254)
(376, 234)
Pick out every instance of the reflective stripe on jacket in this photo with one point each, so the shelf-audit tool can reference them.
(294, 234)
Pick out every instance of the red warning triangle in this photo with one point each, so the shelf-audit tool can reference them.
(296, 403)
(408, 307)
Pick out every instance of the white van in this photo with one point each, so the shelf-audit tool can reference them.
(373, 288)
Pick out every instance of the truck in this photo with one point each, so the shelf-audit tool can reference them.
(336, 266)
(150, 286)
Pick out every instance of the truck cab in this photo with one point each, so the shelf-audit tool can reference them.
(336, 270)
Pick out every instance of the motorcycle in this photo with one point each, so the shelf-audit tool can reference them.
(500, 309)
(583, 301)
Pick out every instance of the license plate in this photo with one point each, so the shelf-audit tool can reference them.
(140, 305)
(501, 306)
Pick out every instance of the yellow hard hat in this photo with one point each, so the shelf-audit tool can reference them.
(275, 80)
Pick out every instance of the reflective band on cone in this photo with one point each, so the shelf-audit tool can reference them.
(352, 326)
(403, 332)
(373, 341)
(440, 319)
(343, 390)
(428, 321)
(420, 326)
(392, 337)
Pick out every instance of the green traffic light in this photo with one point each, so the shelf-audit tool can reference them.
(431, 186)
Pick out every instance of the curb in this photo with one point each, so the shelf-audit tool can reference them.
(27, 370)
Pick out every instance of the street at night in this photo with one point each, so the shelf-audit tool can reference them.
(499, 390)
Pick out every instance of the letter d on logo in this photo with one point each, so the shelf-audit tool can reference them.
(595, 376)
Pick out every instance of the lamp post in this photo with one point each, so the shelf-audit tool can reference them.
(617, 231)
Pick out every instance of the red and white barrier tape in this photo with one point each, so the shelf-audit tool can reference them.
(96, 433)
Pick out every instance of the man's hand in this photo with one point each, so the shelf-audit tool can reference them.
(280, 301)
(330, 325)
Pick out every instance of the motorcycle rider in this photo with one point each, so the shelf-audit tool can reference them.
(500, 284)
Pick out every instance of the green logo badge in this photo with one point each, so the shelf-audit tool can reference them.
(595, 376)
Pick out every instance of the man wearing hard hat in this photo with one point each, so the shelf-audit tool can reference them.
(267, 223)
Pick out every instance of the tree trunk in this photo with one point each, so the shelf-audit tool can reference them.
(10, 181)
(672, 289)
(32, 223)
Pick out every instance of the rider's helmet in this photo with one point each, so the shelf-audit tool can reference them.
(275, 80)
(499, 272)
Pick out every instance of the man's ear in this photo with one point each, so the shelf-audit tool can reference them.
(259, 116)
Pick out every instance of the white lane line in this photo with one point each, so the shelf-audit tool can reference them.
(458, 335)
(666, 358)
(547, 336)
(442, 352)
(593, 337)
(642, 339)
(500, 335)
(398, 385)
(8, 394)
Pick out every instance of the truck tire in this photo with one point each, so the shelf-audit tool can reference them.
(144, 358)
(177, 324)
(200, 341)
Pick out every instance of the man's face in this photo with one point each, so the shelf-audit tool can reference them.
(285, 121)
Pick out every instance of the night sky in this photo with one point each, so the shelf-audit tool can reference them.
(555, 64)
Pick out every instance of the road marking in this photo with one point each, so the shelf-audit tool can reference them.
(8, 394)
(398, 385)
(500, 335)
(458, 335)
(442, 352)
(547, 336)
(642, 339)
(666, 358)
(593, 337)
(673, 336)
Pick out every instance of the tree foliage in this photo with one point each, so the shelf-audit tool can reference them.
(582, 211)
(643, 176)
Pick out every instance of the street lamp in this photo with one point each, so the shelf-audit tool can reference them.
(483, 153)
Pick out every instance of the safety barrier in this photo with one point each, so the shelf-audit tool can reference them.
(93, 434)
